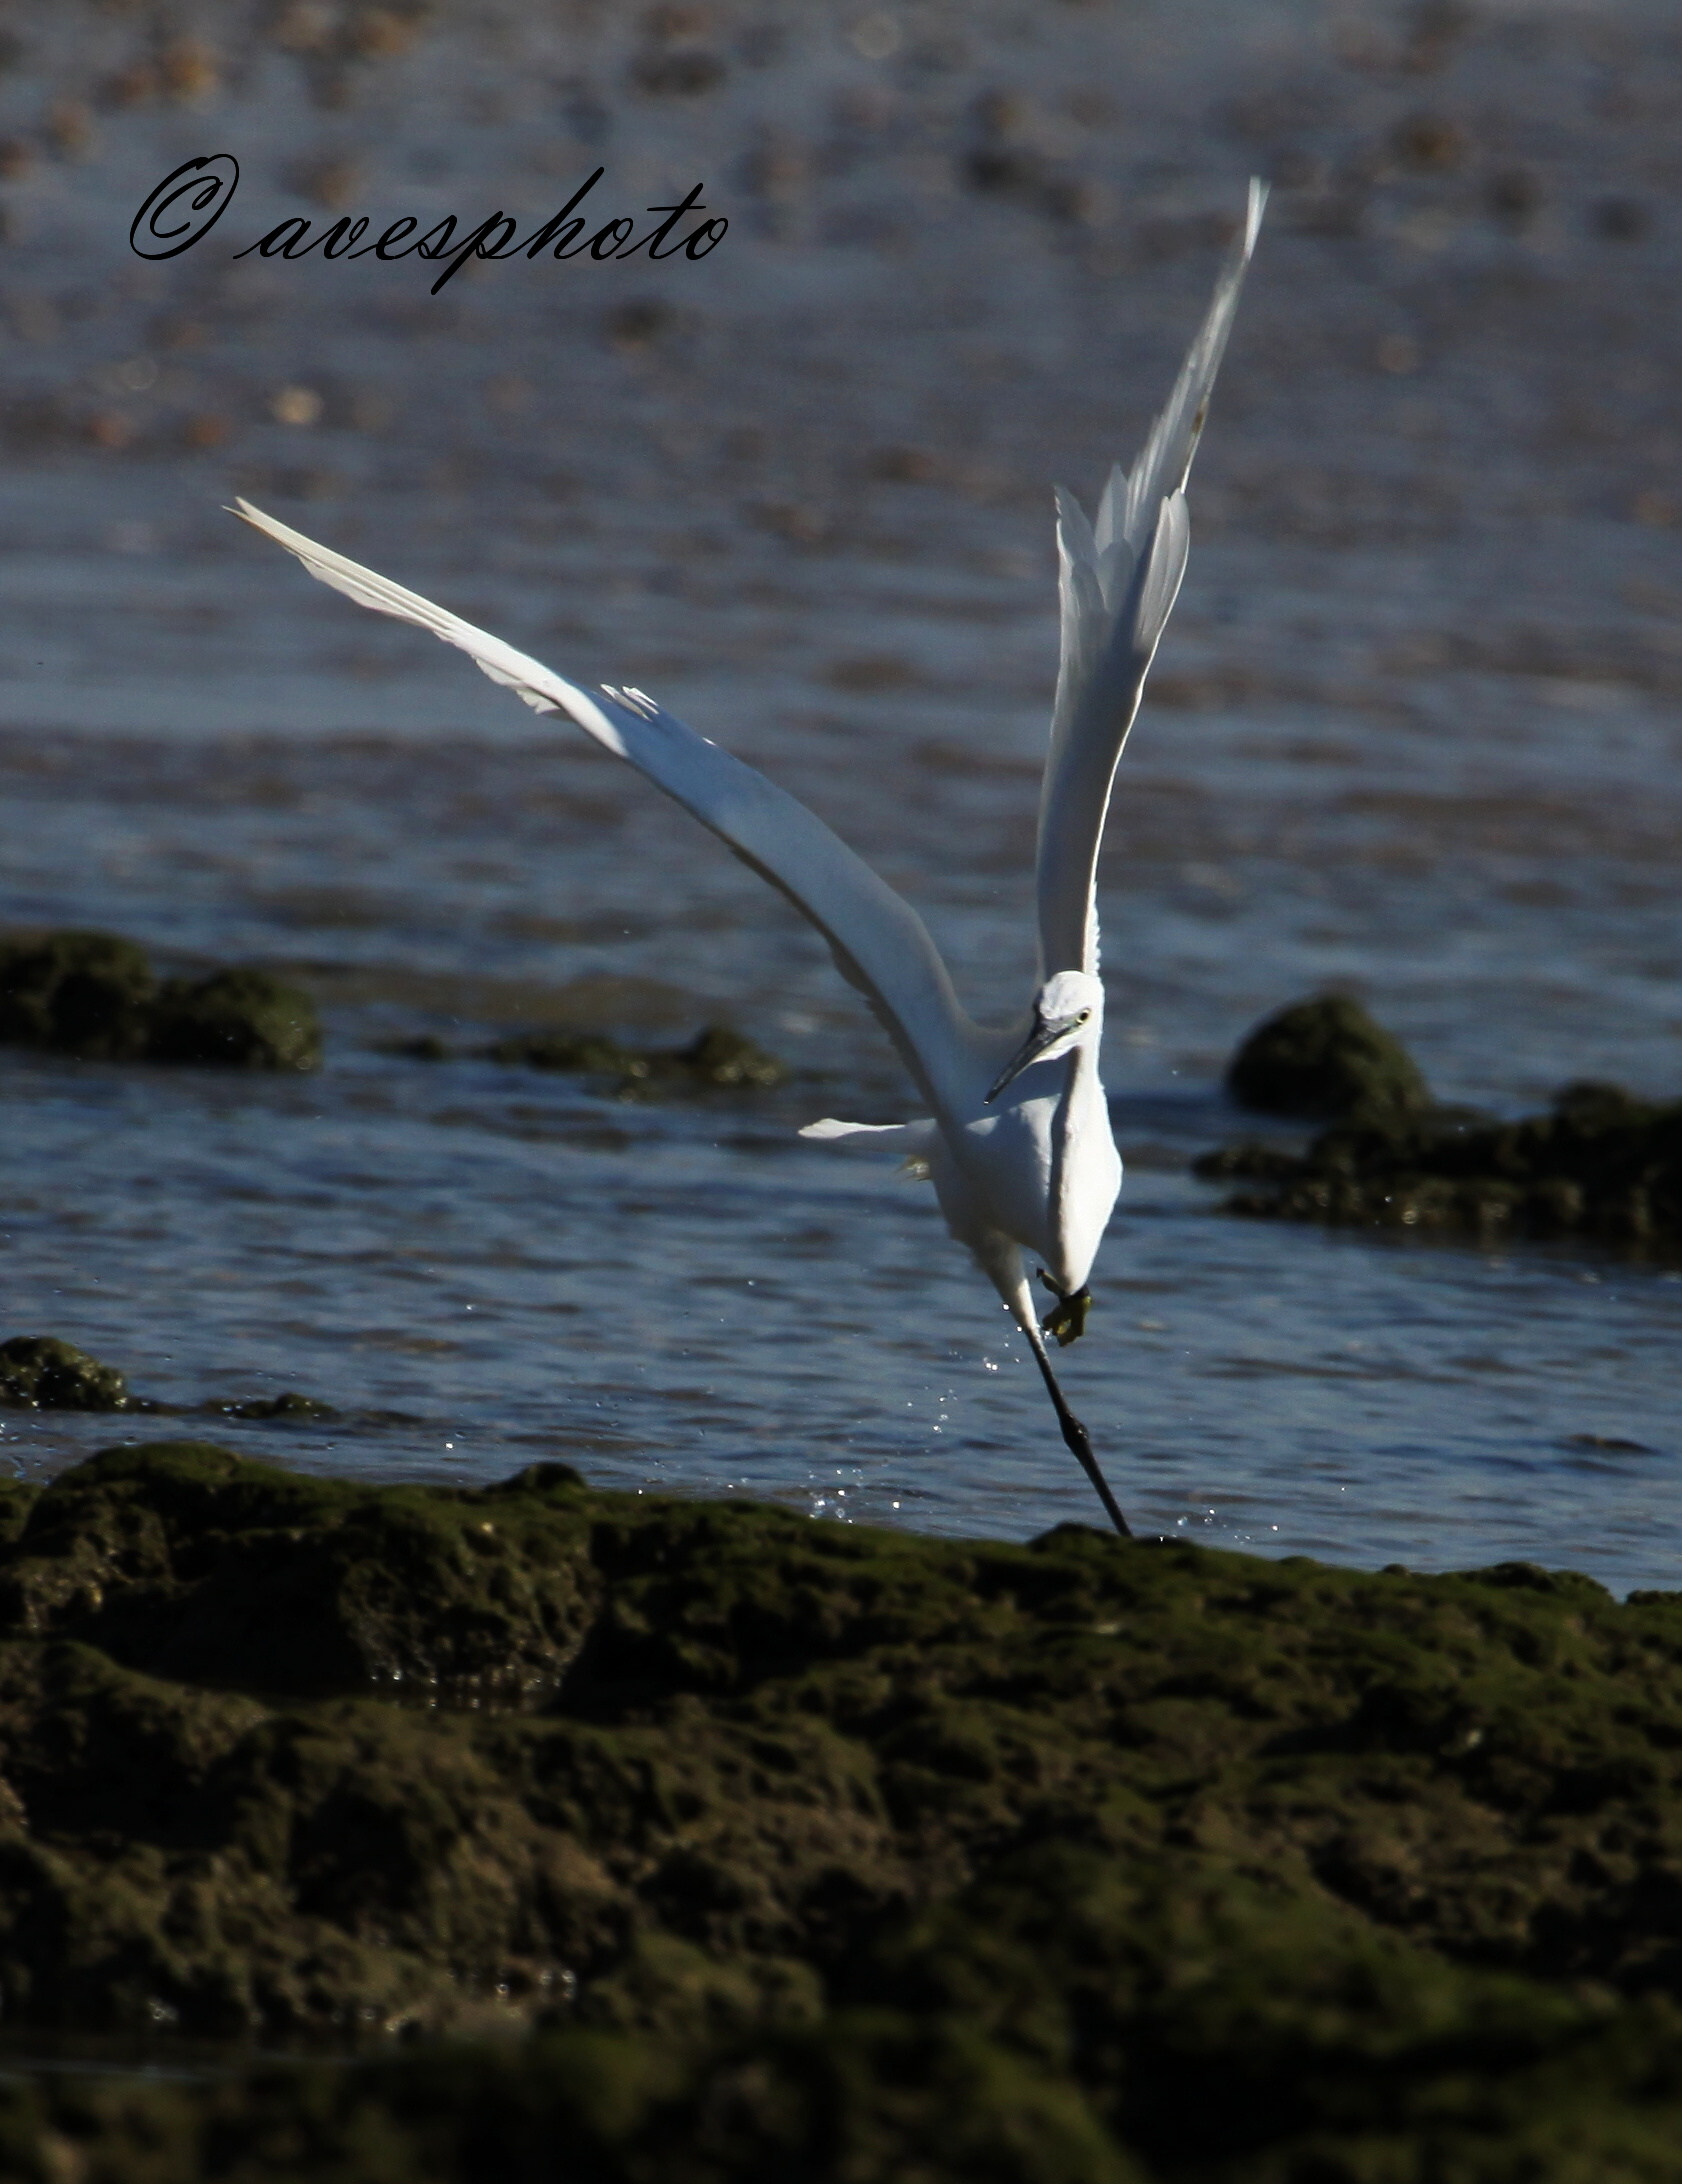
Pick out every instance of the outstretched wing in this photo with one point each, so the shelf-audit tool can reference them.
(1118, 580)
(879, 942)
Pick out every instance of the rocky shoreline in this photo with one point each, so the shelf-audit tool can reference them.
(792, 1848)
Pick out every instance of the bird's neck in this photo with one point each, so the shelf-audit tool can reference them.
(1083, 1071)
(1081, 1089)
(1072, 1136)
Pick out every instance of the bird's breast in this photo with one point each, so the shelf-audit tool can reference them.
(1006, 1156)
(1044, 1169)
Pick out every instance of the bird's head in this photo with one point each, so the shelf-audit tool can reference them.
(1068, 1012)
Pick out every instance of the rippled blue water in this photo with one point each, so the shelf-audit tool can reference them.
(482, 1266)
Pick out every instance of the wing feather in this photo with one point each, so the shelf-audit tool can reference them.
(879, 943)
(1118, 580)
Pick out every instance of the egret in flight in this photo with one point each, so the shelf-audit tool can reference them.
(1017, 1137)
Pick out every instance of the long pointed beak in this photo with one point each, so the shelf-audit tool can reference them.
(1041, 1037)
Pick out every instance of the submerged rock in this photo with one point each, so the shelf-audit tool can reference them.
(716, 1056)
(39, 1372)
(289, 1405)
(568, 1050)
(95, 995)
(1600, 1164)
(1326, 1060)
(237, 1020)
(79, 993)
(427, 1047)
(721, 1056)
(823, 1852)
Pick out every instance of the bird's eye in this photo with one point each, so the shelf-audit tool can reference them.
(1082, 1017)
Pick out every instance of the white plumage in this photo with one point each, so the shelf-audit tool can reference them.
(1017, 1139)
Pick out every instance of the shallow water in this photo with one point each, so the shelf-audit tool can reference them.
(1414, 731)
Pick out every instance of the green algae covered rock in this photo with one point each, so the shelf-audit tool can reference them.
(566, 1050)
(1601, 1164)
(95, 995)
(188, 1562)
(39, 1372)
(716, 1057)
(719, 1056)
(1327, 1060)
(872, 2098)
(235, 1020)
(289, 1407)
(801, 1850)
(81, 993)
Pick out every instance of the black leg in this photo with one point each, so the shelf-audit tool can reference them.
(1075, 1435)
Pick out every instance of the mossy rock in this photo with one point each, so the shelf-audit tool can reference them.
(95, 995)
(88, 994)
(1326, 1060)
(720, 1056)
(289, 1408)
(240, 1019)
(810, 1850)
(39, 1372)
(567, 1050)
(716, 1057)
(186, 1560)
(870, 2097)
(1601, 1164)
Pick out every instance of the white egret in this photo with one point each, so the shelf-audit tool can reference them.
(1017, 1138)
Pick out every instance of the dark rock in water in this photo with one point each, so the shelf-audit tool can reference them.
(428, 1047)
(95, 995)
(289, 1405)
(579, 1050)
(721, 1056)
(39, 1372)
(1326, 1060)
(1601, 1164)
(80, 993)
(717, 1056)
(822, 1852)
(235, 1019)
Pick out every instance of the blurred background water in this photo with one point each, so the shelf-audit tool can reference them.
(1414, 731)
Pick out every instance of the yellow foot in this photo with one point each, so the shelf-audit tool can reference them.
(1067, 1317)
